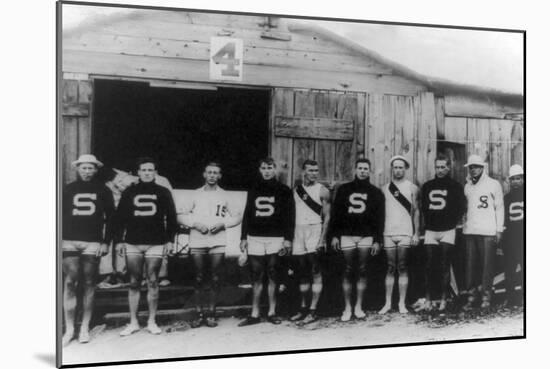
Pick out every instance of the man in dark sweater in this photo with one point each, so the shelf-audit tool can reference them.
(442, 206)
(145, 225)
(267, 231)
(513, 241)
(87, 207)
(357, 225)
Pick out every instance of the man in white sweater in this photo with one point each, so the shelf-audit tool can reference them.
(209, 215)
(482, 230)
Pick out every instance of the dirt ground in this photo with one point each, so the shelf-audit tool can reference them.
(227, 338)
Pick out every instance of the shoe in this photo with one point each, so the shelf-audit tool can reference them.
(360, 314)
(403, 309)
(274, 319)
(130, 328)
(67, 338)
(83, 336)
(153, 328)
(250, 321)
(384, 309)
(419, 304)
(210, 322)
(164, 282)
(310, 318)
(346, 316)
(469, 304)
(299, 316)
(196, 323)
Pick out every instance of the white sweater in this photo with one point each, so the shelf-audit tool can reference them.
(485, 214)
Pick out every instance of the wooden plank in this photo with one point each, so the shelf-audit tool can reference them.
(360, 125)
(404, 130)
(440, 117)
(376, 139)
(84, 135)
(496, 149)
(70, 92)
(517, 143)
(191, 49)
(426, 138)
(70, 147)
(325, 152)
(465, 106)
(345, 151)
(84, 92)
(303, 149)
(281, 147)
(254, 75)
(314, 128)
(478, 137)
(456, 129)
(75, 109)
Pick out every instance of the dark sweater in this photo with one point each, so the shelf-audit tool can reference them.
(269, 211)
(146, 215)
(443, 203)
(514, 210)
(358, 210)
(87, 211)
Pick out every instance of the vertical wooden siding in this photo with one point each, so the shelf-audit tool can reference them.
(75, 123)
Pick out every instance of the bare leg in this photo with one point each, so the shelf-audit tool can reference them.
(257, 264)
(199, 263)
(89, 271)
(430, 262)
(391, 255)
(71, 268)
(361, 281)
(317, 285)
(446, 253)
(272, 285)
(216, 262)
(134, 265)
(402, 270)
(349, 256)
(153, 268)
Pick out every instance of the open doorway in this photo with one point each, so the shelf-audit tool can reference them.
(182, 129)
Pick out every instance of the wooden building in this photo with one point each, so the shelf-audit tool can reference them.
(311, 93)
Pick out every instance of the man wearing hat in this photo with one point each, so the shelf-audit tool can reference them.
(482, 230)
(87, 207)
(401, 229)
(514, 227)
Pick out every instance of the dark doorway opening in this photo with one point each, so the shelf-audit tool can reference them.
(182, 129)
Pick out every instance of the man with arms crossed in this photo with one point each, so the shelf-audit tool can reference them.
(512, 238)
(145, 226)
(312, 201)
(443, 204)
(209, 215)
(267, 230)
(400, 229)
(87, 209)
(357, 223)
(482, 230)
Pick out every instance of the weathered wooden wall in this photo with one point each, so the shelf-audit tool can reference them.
(498, 141)
(176, 46)
(76, 129)
(335, 155)
(401, 125)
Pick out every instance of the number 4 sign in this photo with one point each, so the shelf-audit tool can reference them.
(226, 59)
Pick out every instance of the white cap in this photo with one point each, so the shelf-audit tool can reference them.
(475, 160)
(87, 158)
(400, 157)
(515, 170)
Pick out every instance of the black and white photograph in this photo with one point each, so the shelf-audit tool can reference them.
(237, 183)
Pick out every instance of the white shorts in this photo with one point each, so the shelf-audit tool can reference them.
(149, 251)
(395, 241)
(82, 247)
(264, 245)
(351, 242)
(198, 240)
(306, 238)
(435, 238)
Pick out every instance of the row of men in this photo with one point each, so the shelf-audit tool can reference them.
(361, 221)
